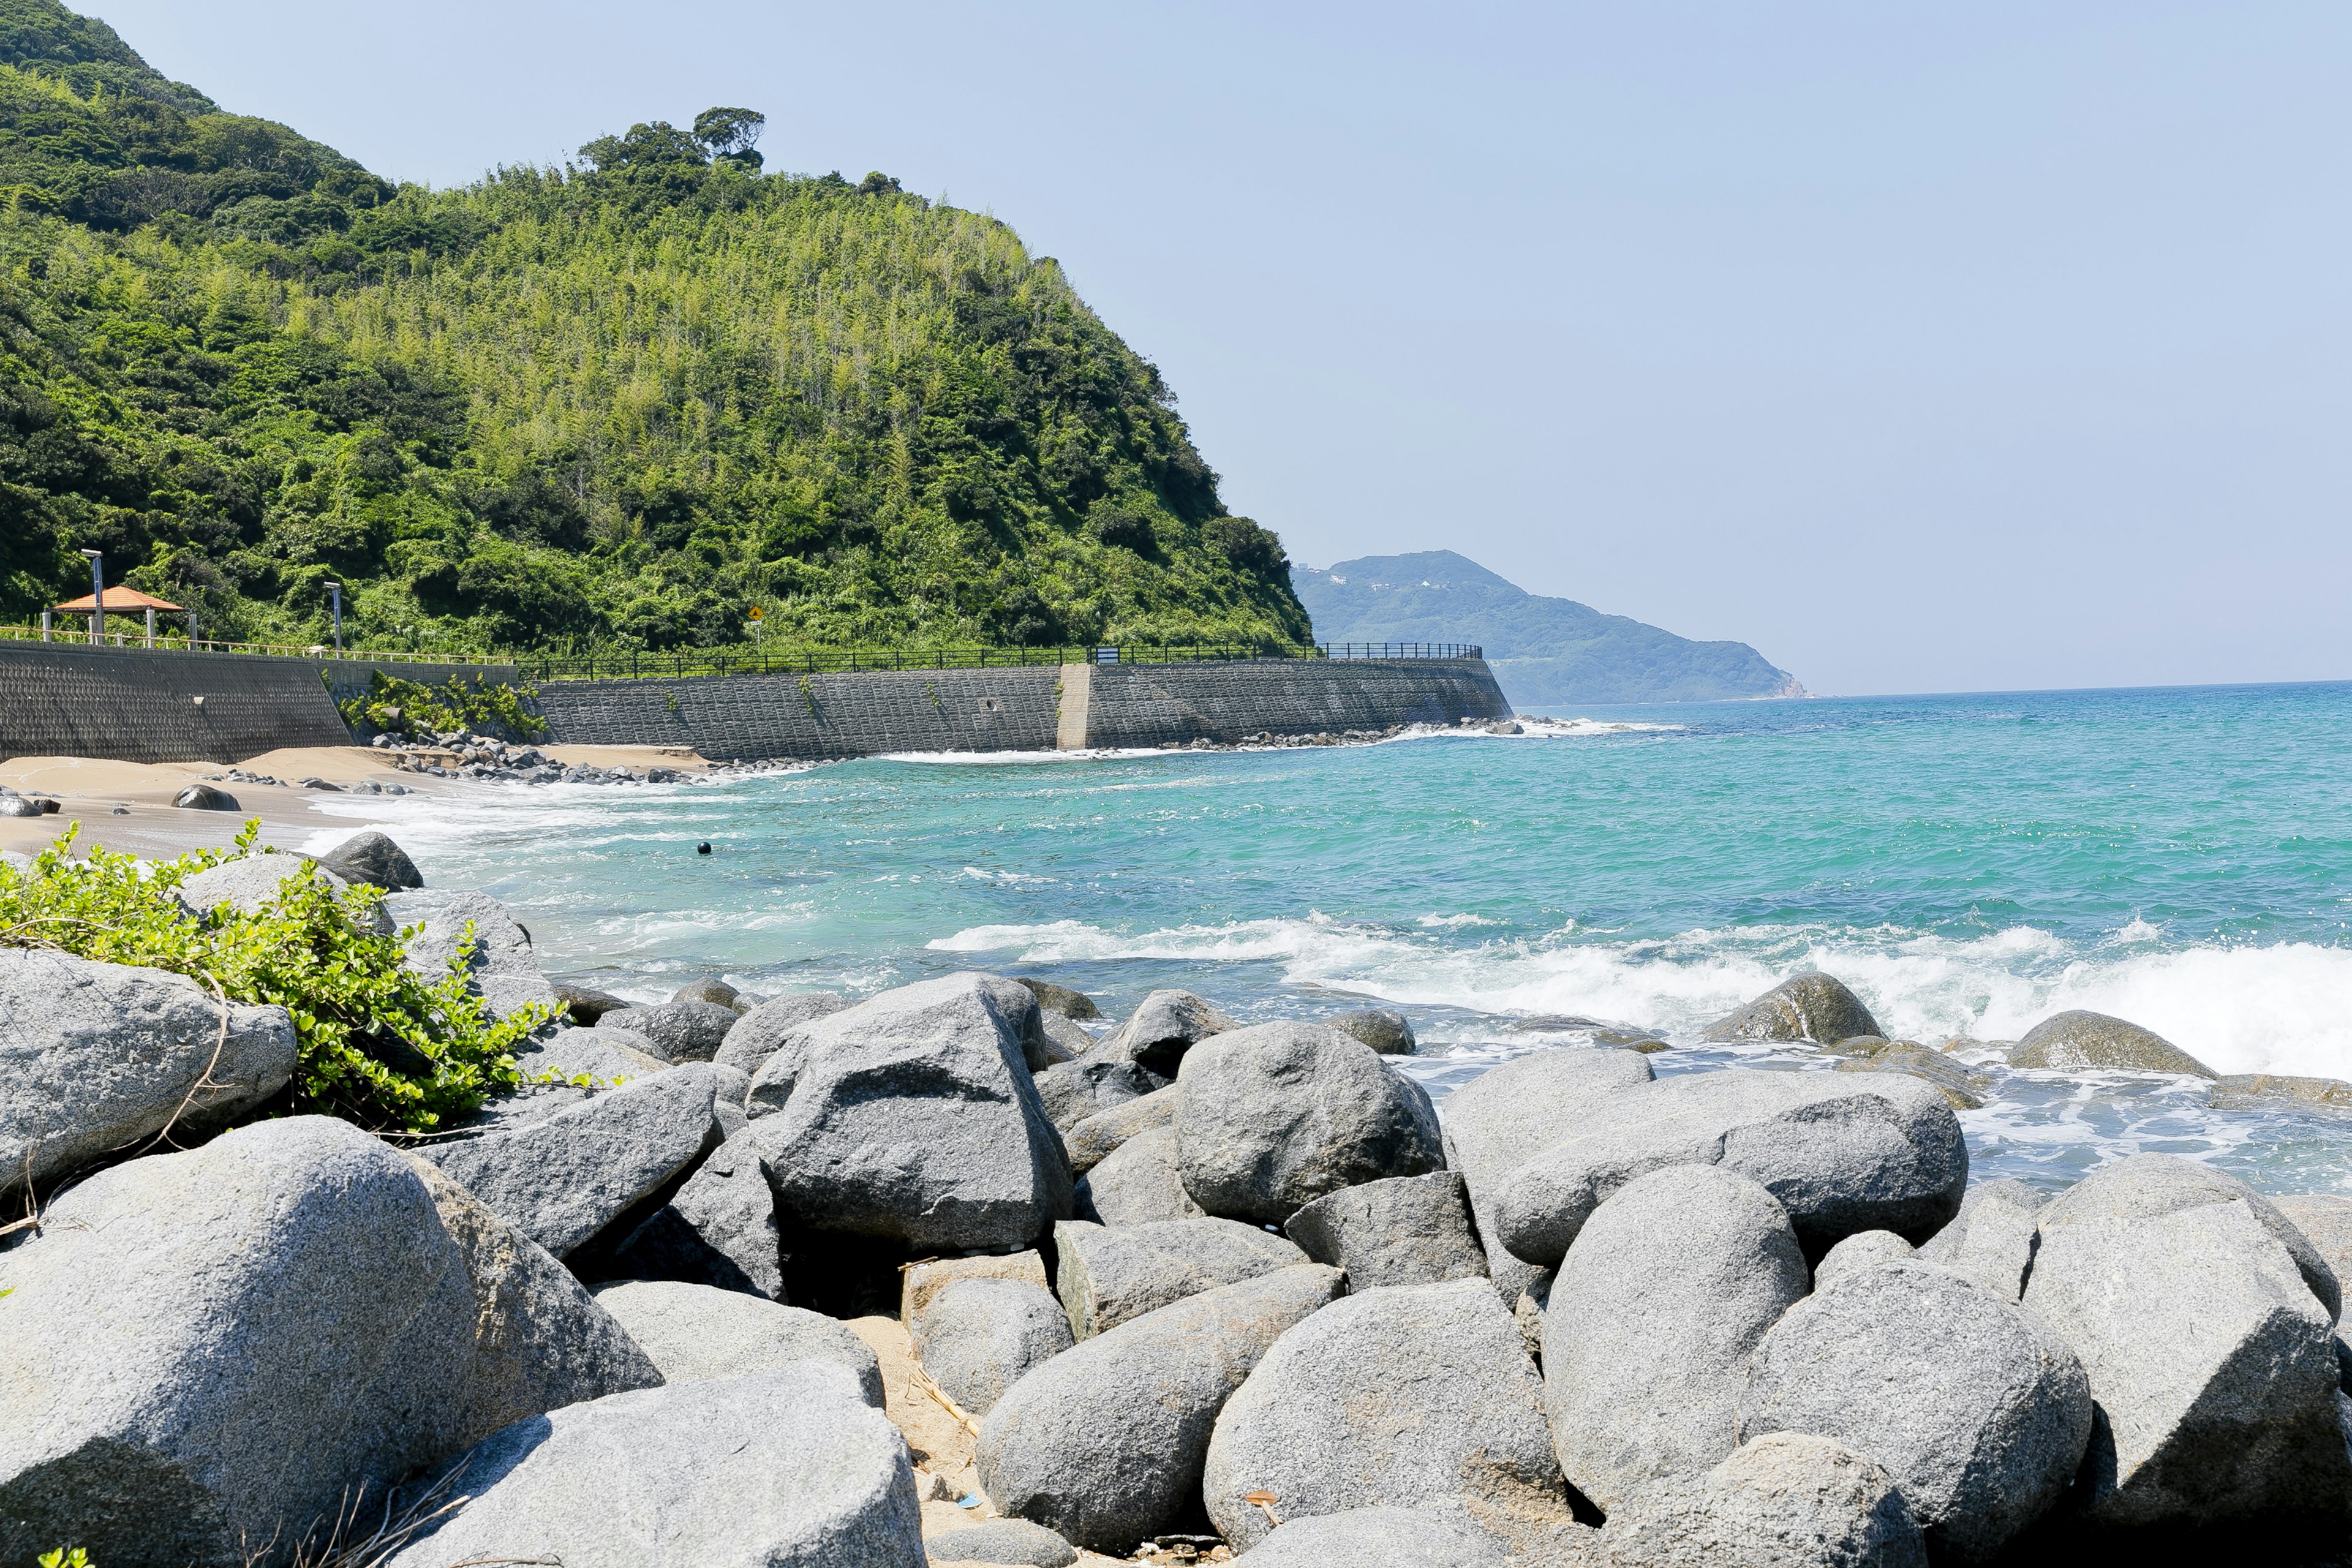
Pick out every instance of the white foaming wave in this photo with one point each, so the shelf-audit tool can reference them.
(2239, 1009)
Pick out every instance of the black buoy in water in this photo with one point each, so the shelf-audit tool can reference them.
(703, 847)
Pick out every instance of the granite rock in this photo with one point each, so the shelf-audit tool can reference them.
(502, 970)
(1004, 1541)
(249, 884)
(1808, 1006)
(979, 1336)
(1377, 1538)
(758, 1034)
(1650, 1323)
(2079, 1041)
(1062, 1001)
(1787, 1500)
(1963, 1087)
(1990, 1242)
(2144, 1185)
(1384, 1029)
(1109, 1277)
(371, 858)
(680, 1031)
(920, 1281)
(1097, 1081)
(1137, 1184)
(1092, 1141)
(203, 797)
(1401, 1230)
(1164, 1027)
(697, 1334)
(2279, 1092)
(1417, 1396)
(718, 1229)
(1862, 1249)
(584, 1004)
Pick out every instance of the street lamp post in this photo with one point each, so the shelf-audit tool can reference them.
(97, 595)
(336, 591)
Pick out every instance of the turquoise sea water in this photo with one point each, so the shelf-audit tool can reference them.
(1970, 865)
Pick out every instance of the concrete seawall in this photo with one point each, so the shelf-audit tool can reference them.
(136, 705)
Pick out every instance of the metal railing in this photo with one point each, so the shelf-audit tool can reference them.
(79, 636)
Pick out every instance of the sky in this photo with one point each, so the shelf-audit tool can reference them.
(1925, 348)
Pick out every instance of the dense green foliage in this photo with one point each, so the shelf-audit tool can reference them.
(397, 706)
(617, 403)
(378, 1044)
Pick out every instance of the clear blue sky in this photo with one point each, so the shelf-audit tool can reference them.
(1925, 347)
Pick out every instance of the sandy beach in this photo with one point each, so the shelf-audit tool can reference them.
(91, 790)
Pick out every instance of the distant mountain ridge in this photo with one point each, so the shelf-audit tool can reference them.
(1544, 651)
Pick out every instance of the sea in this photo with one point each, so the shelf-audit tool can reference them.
(1970, 865)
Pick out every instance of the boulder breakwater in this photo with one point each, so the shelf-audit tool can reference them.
(963, 1271)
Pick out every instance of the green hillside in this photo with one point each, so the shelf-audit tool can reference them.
(620, 402)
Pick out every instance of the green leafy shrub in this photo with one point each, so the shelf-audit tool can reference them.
(61, 1558)
(378, 1044)
(489, 707)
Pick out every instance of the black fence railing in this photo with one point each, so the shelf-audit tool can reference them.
(626, 664)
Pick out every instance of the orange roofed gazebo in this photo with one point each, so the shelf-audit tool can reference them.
(118, 602)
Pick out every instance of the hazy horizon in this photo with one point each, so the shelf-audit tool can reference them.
(1924, 352)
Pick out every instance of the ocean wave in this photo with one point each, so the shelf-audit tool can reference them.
(2239, 1009)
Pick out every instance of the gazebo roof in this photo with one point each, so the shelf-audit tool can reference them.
(119, 599)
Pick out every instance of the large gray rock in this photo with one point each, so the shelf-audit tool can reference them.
(1275, 1116)
(1007, 1540)
(1137, 1184)
(2211, 1358)
(1788, 1501)
(1840, 1153)
(562, 1180)
(1508, 1114)
(1419, 1396)
(2325, 1221)
(2077, 1041)
(979, 1336)
(1061, 1001)
(2145, 1186)
(781, 1469)
(1402, 1230)
(95, 1057)
(681, 1031)
(203, 797)
(696, 1333)
(373, 859)
(711, 989)
(758, 1034)
(209, 1348)
(539, 1341)
(1066, 1041)
(607, 1057)
(1862, 1249)
(1095, 1081)
(1109, 1277)
(912, 1117)
(251, 882)
(1978, 1412)
(584, 1004)
(1384, 1029)
(1808, 1006)
(1098, 1137)
(1377, 1538)
(718, 1229)
(1651, 1321)
(1024, 1016)
(1990, 1242)
(1164, 1027)
(1962, 1087)
(1105, 1443)
(502, 970)
(918, 1282)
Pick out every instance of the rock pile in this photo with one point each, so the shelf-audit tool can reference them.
(1200, 1274)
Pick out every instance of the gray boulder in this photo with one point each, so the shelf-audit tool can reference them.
(1962, 1087)
(696, 1333)
(1808, 1006)
(2280, 1091)
(2325, 1221)
(1095, 1138)
(584, 1004)
(1061, 1001)
(1384, 1029)
(979, 1336)
(1065, 1040)
(2078, 1041)
(1420, 1396)
(921, 1281)
(1377, 1538)
(757, 1035)
(203, 797)
(95, 1057)
(1788, 1500)
(562, 1180)
(1402, 1230)
(502, 970)
(1990, 1242)
(608, 1057)
(1018, 1004)
(1095, 1081)
(1137, 1184)
(709, 988)
(213, 1348)
(1275, 1116)
(912, 1117)
(1978, 1412)
(539, 1341)
(2145, 1186)
(1008, 1541)
(373, 859)
(249, 883)
(718, 1229)
(1840, 1153)
(2211, 1357)
(681, 1031)
(1508, 1114)
(1105, 1443)
(1651, 1321)
(1862, 1249)
(1163, 1028)
(780, 1468)
(1110, 1276)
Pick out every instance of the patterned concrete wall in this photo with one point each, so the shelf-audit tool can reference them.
(348, 678)
(1149, 704)
(859, 715)
(133, 706)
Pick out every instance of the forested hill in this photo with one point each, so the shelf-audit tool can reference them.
(624, 401)
(1545, 652)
